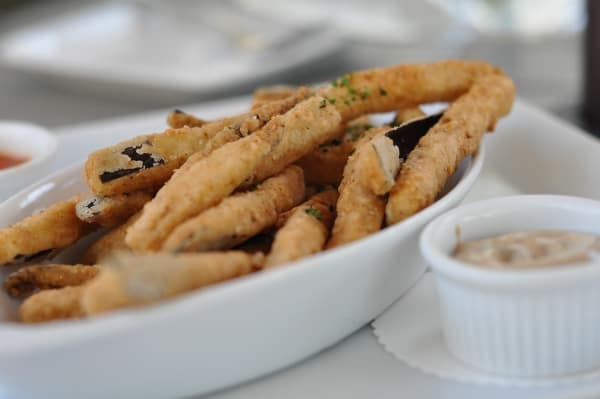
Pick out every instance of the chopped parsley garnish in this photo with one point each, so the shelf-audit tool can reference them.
(314, 212)
(323, 103)
(331, 100)
(382, 91)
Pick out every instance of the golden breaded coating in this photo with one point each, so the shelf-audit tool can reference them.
(133, 280)
(368, 173)
(325, 165)
(178, 119)
(113, 210)
(41, 233)
(198, 187)
(262, 115)
(40, 277)
(147, 161)
(388, 89)
(295, 134)
(48, 305)
(109, 244)
(239, 217)
(442, 149)
(267, 94)
(380, 164)
(305, 230)
(407, 114)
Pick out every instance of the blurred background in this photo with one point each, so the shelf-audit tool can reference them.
(64, 62)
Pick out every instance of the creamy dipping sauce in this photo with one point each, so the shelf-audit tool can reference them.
(530, 249)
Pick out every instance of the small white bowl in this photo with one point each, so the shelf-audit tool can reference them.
(35, 143)
(535, 323)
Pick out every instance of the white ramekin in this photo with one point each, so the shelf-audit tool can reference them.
(29, 140)
(522, 323)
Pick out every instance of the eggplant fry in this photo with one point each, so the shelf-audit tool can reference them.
(178, 119)
(442, 149)
(134, 280)
(240, 216)
(29, 279)
(42, 234)
(368, 175)
(113, 210)
(304, 229)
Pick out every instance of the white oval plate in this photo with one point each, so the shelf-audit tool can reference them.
(218, 336)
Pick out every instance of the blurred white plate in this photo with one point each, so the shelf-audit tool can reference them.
(162, 49)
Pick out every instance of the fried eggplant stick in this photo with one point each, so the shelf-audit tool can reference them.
(109, 244)
(113, 210)
(442, 149)
(40, 277)
(262, 115)
(407, 114)
(42, 233)
(304, 230)
(133, 280)
(240, 216)
(401, 86)
(368, 175)
(325, 165)
(267, 94)
(178, 119)
(55, 304)
(147, 161)
(295, 134)
(200, 186)
(208, 180)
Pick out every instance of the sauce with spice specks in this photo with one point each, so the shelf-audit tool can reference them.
(530, 249)
(10, 160)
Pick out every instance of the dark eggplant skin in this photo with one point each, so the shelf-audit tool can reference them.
(147, 160)
(407, 135)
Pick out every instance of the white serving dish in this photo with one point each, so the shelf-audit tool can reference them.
(33, 142)
(524, 323)
(158, 51)
(218, 336)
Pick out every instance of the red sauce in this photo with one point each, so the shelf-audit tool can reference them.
(10, 160)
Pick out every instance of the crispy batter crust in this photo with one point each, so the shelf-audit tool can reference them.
(360, 210)
(267, 94)
(304, 230)
(178, 119)
(295, 134)
(198, 187)
(40, 277)
(147, 161)
(109, 244)
(48, 305)
(113, 210)
(239, 217)
(408, 114)
(440, 151)
(262, 115)
(133, 280)
(53, 228)
(391, 88)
